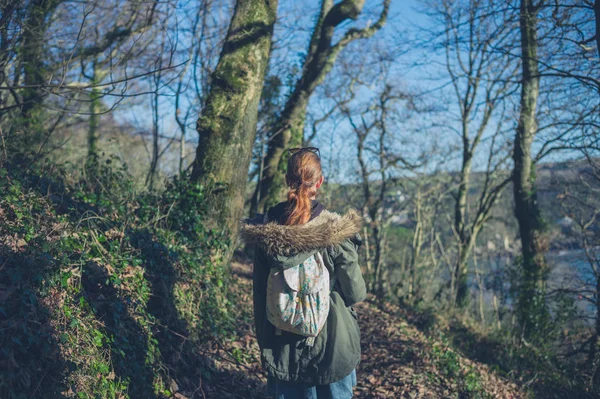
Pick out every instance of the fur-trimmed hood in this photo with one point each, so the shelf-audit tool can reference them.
(327, 229)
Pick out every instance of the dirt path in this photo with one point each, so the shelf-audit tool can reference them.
(398, 360)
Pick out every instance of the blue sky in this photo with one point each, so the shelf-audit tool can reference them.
(416, 70)
(290, 45)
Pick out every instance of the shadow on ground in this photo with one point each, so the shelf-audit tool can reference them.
(31, 364)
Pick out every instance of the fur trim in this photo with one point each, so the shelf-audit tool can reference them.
(327, 229)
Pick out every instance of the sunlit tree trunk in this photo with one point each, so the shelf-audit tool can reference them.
(227, 125)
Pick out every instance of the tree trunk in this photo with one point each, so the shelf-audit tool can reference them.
(597, 16)
(154, 162)
(460, 222)
(594, 342)
(530, 302)
(227, 125)
(32, 53)
(595, 339)
(460, 277)
(369, 266)
(462, 268)
(377, 259)
(92, 156)
(416, 245)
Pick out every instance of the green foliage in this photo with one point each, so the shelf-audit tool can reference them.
(102, 285)
(107, 184)
(447, 360)
(467, 378)
(529, 295)
(400, 234)
(535, 364)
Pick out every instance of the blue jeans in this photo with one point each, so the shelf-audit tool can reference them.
(296, 390)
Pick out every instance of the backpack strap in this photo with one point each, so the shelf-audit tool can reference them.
(310, 341)
(332, 278)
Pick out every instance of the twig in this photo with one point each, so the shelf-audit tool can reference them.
(199, 389)
(39, 383)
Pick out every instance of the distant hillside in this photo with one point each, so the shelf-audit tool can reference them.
(552, 181)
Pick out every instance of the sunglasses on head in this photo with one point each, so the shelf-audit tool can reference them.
(293, 151)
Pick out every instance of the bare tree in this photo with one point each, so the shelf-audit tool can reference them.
(92, 46)
(382, 166)
(424, 253)
(579, 202)
(481, 77)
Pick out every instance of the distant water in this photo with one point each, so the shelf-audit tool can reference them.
(570, 270)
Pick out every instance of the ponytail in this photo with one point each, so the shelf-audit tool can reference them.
(304, 171)
(300, 198)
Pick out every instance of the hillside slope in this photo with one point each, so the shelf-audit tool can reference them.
(398, 360)
(122, 295)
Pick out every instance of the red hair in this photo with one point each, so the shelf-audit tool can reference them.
(303, 173)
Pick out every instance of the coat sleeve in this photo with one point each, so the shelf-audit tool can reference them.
(347, 271)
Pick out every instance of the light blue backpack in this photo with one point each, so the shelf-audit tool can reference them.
(298, 297)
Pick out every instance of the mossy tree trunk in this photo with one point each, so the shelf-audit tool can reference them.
(227, 125)
(322, 54)
(531, 307)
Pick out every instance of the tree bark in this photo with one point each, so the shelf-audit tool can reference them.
(32, 53)
(154, 161)
(595, 339)
(462, 267)
(597, 16)
(92, 156)
(530, 302)
(322, 54)
(460, 215)
(227, 125)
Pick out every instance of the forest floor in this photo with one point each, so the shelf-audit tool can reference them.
(398, 360)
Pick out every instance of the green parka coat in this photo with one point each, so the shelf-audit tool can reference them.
(336, 350)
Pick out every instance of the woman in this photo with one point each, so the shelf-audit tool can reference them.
(289, 234)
